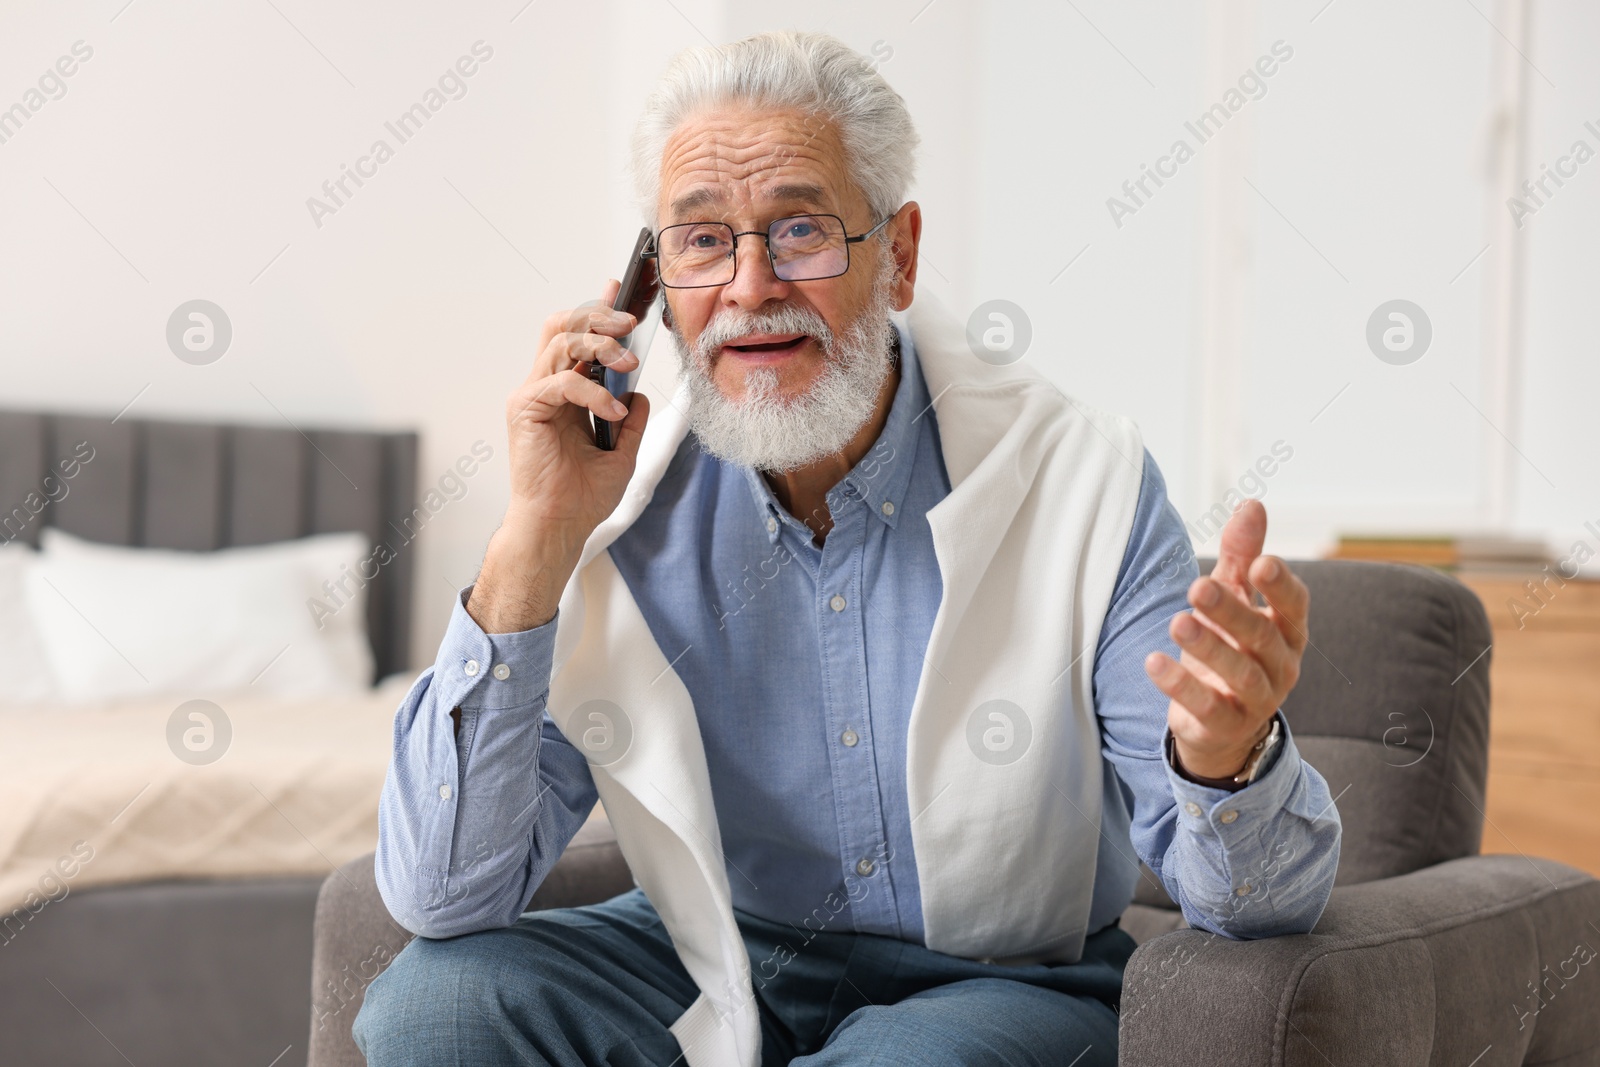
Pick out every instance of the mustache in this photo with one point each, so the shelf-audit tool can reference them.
(786, 318)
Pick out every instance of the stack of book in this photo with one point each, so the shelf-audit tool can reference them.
(1459, 554)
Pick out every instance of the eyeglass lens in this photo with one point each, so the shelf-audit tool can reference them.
(803, 248)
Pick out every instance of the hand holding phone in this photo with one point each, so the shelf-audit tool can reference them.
(637, 296)
(562, 487)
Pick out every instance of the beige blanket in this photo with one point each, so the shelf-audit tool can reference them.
(96, 796)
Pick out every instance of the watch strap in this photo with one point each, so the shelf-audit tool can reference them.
(1252, 768)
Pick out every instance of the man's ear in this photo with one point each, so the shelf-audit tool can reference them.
(907, 230)
(666, 312)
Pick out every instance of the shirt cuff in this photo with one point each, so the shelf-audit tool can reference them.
(1231, 816)
(493, 671)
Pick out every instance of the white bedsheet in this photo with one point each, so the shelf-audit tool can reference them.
(295, 794)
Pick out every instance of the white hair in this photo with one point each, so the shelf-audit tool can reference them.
(810, 72)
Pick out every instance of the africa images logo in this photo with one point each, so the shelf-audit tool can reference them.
(451, 85)
(1251, 85)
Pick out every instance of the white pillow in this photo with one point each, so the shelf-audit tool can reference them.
(25, 676)
(122, 622)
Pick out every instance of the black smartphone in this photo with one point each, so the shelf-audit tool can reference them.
(640, 287)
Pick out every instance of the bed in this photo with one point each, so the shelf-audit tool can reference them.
(173, 904)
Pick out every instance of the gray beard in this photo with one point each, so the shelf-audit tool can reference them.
(762, 429)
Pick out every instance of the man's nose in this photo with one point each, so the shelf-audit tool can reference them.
(754, 282)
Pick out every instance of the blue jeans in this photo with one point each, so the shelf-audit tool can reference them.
(578, 987)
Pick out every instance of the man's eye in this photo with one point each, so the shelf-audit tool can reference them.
(800, 229)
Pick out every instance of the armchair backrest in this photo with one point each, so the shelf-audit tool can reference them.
(1393, 709)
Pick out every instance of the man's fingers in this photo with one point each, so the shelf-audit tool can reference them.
(632, 430)
(568, 350)
(1288, 599)
(547, 397)
(1209, 707)
(1246, 628)
(595, 318)
(1237, 619)
(1239, 671)
(1242, 539)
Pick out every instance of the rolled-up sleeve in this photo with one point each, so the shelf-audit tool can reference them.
(473, 816)
(1256, 862)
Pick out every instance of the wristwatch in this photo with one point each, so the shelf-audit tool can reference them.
(1254, 765)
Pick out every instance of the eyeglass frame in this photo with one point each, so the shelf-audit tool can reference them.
(653, 251)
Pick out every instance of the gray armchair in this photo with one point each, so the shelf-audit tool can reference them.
(1427, 953)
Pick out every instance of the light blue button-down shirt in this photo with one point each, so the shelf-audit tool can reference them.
(802, 662)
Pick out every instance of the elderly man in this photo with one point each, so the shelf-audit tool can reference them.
(856, 645)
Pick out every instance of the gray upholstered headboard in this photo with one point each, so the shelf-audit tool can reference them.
(202, 486)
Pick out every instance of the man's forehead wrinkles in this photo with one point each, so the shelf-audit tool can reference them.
(716, 178)
(729, 200)
(765, 164)
(763, 151)
(786, 152)
(739, 141)
(726, 162)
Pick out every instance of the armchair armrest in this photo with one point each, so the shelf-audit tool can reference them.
(355, 939)
(1488, 960)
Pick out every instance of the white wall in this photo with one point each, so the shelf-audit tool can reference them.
(179, 162)
(1560, 389)
(1373, 152)
(191, 141)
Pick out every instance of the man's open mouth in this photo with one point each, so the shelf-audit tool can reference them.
(767, 346)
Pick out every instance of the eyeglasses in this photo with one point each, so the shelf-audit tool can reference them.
(801, 248)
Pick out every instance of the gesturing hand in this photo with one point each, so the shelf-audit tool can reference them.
(1238, 661)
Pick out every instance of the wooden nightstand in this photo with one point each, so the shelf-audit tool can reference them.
(1544, 721)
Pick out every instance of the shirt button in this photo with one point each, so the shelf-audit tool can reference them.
(444, 792)
(1228, 816)
(1242, 891)
(471, 668)
(836, 603)
(849, 737)
(1192, 808)
(501, 671)
(864, 867)
(772, 524)
(888, 507)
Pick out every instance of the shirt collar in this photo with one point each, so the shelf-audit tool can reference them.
(881, 477)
